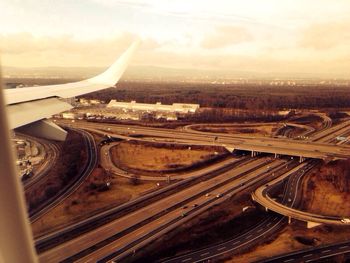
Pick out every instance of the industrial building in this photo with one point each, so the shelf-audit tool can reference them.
(158, 107)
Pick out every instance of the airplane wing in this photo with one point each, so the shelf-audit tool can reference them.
(29, 107)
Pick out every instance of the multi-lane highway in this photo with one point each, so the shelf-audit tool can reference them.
(315, 254)
(268, 226)
(278, 146)
(91, 163)
(149, 218)
(261, 195)
(138, 228)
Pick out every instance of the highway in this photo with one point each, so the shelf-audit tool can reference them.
(52, 153)
(270, 225)
(332, 132)
(314, 254)
(291, 198)
(193, 128)
(262, 197)
(277, 146)
(203, 203)
(106, 216)
(166, 135)
(263, 229)
(72, 186)
(170, 207)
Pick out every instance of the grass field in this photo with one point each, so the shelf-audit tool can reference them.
(164, 158)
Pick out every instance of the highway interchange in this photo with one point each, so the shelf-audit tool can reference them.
(122, 236)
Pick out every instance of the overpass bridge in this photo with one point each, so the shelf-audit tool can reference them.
(276, 146)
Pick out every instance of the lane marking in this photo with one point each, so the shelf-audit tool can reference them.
(204, 254)
(187, 259)
(326, 251)
(308, 255)
(289, 260)
(269, 224)
(236, 242)
(221, 248)
(248, 237)
(259, 230)
(343, 247)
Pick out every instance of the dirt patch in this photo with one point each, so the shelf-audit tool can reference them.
(143, 157)
(92, 196)
(312, 120)
(326, 190)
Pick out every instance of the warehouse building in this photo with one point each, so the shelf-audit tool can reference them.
(158, 107)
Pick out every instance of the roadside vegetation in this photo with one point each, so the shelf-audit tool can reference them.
(326, 190)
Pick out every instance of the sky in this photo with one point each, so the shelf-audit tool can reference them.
(289, 36)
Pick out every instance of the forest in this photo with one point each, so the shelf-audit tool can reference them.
(230, 96)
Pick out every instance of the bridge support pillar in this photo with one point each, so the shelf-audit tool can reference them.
(253, 154)
(312, 224)
(276, 155)
(266, 209)
(289, 220)
(301, 159)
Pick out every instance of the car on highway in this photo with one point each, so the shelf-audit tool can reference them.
(218, 195)
(194, 205)
(345, 220)
(207, 194)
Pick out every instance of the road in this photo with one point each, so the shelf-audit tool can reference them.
(280, 146)
(262, 197)
(203, 203)
(72, 186)
(174, 136)
(263, 229)
(68, 232)
(52, 153)
(314, 254)
(170, 208)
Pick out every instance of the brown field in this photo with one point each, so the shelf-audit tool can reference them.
(261, 129)
(326, 191)
(165, 158)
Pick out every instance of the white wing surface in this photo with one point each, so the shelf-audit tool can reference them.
(26, 106)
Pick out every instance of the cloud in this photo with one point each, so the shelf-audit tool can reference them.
(226, 36)
(326, 36)
(26, 50)
(129, 4)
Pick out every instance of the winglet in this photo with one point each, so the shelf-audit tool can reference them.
(114, 72)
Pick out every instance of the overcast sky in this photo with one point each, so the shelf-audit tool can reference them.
(252, 35)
